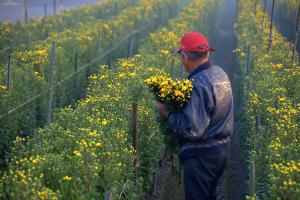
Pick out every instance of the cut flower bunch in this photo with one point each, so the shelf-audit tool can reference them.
(174, 93)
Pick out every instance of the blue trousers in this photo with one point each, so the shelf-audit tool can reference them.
(201, 175)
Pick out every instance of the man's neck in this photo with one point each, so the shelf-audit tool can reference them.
(197, 63)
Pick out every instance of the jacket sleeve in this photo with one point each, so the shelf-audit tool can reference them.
(194, 118)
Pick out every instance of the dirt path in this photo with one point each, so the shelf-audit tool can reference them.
(233, 185)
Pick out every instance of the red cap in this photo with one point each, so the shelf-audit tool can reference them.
(194, 42)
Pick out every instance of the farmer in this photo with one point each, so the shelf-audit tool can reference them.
(205, 124)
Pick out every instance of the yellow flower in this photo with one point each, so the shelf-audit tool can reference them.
(104, 122)
(165, 52)
(122, 75)
(77, 153)
(21, 173)
(2, 87)
(132, 74)
(281, 98)
(242, 54)
(67, 178)
(98, 144)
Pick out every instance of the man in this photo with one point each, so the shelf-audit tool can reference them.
(205, 124)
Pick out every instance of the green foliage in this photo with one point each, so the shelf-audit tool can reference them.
(88, 150)
(30, 71)
(271, 91)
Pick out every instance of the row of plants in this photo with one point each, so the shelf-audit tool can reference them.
(87, 150)
(272, 107)
(31, 68)
(22, 34)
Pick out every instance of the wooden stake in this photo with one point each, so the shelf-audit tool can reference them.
(248, 64)
(8, 85)
(54, 7)
(172, 68)
(252, 185)
(248, 60)
(111, 64)
(49, 104)
(75, 76)
(108, 196)
(130, 46)
(255, 4)
(271, 27)
(45, 10)
(181, 71)
(252, 179)
(264, 13)
(135, 137)
(237, 9)
(26, 11)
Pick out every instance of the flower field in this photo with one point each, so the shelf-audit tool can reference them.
(272, 107)
(21, 34)
(112, 62)
(74, 48)
(87, 150)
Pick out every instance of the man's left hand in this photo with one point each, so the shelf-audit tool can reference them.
(162, 109)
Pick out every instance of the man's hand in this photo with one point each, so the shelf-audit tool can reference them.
(162, 109)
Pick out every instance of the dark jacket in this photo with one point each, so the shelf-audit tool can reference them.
(207, 119)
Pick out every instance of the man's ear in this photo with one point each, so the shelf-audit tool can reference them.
(185, 56)
(188, 57)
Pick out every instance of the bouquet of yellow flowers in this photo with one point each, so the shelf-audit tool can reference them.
(174, 93)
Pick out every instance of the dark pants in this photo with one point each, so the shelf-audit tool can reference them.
(201, 175)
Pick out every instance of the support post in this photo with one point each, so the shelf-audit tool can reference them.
(252, 179)
(237, 9)
(8, 84)
(181, 71)
(264, 14)
(271, 27)
(255, 4)
(248, 65)
(252, 185)
(248, 60)
(172, 68)
(45, 10)
(108, 196)
(135, 137)
(75, 76)
(49, 104)
(130, 46)
(26, 10)
(54, 7)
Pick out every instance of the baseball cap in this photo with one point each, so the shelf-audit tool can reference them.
(194, 42)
